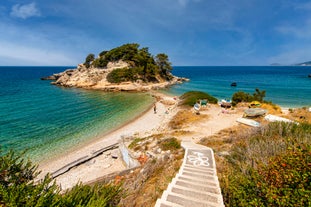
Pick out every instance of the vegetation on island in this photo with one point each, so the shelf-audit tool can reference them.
(18, 187)
(269, 167)
(192, 97)
(142, 65)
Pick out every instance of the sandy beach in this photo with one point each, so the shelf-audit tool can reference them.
(104, 164)
(147, 124)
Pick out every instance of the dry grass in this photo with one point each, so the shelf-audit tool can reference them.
(146, 184)
(272, 109)
(185, 117)
(300, 115)
(222, 141)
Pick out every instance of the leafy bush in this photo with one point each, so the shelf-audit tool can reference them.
(241, 96)
(272, 167)
(18, 188)
(191, 97)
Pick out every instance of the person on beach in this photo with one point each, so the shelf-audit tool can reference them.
(155, 108)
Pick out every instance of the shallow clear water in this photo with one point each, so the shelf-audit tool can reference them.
(48, 120)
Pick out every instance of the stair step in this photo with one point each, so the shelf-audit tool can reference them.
(200, 168)
(193, 193)
(198, 172)
(213, 183)
(198, 176)
(188, 169)
(211, 189)
(188, 201)
(164, 203)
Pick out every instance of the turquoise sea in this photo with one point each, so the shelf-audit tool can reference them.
(287, 86)
(49, 120)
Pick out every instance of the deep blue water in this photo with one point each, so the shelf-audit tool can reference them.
(287, 86)
(49, 120)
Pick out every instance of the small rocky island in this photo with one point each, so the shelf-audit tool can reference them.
(125, 68)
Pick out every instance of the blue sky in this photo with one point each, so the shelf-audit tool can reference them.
(190, 32)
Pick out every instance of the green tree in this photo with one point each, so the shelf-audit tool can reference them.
(163, 64)
(259, 95)
(88, 60)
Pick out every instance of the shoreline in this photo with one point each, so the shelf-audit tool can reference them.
(144, 124)
(96, 138)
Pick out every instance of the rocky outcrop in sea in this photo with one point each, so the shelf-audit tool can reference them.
(96, 78)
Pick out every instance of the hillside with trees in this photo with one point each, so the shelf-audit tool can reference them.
(136, 68)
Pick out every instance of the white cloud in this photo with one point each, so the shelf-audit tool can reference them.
(292, 56)
(21, 55)
(303, 6)
(25, 11)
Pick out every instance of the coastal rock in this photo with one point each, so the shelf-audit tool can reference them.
(51, 77)
(96, 78)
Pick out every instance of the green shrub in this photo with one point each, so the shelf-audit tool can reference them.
(271, 167)
(17, 187)
(241, 96)
(191, 97)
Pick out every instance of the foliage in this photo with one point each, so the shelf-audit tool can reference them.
(18, 188)
(241, 96)
(192, 97)
(88, 60)
(170, 144)
(142, 65)
(132, 74)
(83, 195)
(163, 64)
(272, 167)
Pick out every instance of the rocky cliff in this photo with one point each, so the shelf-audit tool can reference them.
(96, 78)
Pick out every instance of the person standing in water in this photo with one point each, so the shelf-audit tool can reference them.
(155, 108)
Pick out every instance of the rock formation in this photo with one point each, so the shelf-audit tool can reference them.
(96, 78)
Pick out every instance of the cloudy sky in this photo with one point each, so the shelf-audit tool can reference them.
(190, 32)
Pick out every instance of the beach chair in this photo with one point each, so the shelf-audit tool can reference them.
(203, 103)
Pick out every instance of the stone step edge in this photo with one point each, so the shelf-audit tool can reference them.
(197, 167)
(213, 179)
(165, 202)
(174, 182)
(213, 172)
(206, 177)
(203, 183)
(195, 173)
(166, 194)
(218, 196)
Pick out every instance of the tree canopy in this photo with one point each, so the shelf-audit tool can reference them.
(142, 65)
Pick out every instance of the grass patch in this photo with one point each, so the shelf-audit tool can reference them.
(191, 97)
(170, 144)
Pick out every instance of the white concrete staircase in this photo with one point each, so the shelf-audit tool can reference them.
(196, 184)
